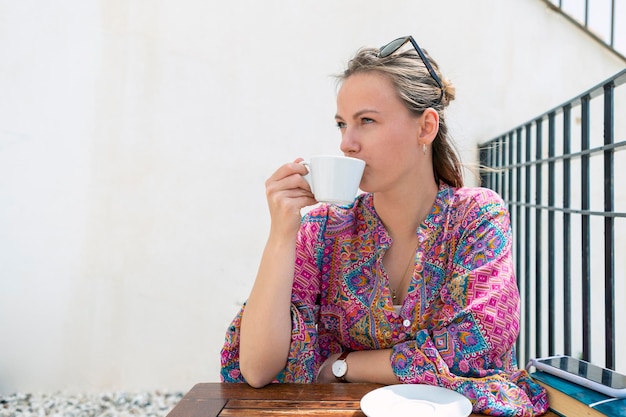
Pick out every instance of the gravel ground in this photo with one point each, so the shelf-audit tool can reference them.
(110, 404)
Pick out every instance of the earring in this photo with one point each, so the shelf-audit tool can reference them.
(425, 149)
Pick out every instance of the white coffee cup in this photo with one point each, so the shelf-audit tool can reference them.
(334, 179)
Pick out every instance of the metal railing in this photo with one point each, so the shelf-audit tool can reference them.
(565, 253)
(608, 17)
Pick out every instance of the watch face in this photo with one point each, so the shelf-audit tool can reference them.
(340, 368)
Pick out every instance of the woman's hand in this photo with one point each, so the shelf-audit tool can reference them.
(287, 192)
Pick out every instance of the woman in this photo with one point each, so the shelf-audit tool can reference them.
(411, 283)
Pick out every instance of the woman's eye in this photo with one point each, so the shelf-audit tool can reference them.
(367, 120)
(341, 125)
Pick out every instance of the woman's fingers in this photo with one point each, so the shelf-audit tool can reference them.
(294, 182)
(289, 177)
(289, 169)
(287, 192)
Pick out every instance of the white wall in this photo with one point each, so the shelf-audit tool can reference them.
(135, 138)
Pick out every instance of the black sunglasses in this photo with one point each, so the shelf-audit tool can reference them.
(396, 44)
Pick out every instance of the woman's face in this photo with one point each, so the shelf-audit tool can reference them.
(377, 128)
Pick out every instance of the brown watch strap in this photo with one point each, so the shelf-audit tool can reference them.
(344, 355)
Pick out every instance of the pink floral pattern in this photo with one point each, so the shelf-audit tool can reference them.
(458, 324)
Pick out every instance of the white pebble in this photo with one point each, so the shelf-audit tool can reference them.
(108, 404)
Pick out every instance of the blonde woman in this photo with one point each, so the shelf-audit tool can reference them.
(411, 283)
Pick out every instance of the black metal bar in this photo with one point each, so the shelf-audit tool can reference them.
(496, 158)
(538, 241)
(511, 141)
(551, 239)
(567, 235)
(609, 238)
(483, 155)
(586, 231)
(504, 172)
(494, 174)
(527, 250)
(518, 228)
(490, 161)
(590, 151)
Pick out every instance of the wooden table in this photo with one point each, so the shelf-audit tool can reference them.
(220, 399)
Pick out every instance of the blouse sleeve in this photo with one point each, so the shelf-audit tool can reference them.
(304, 360)
(475, 321)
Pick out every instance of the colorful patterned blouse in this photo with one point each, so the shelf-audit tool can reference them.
(457, 326)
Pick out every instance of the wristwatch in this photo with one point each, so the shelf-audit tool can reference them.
(340, 366)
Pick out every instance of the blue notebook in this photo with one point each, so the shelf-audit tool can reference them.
(609, 406)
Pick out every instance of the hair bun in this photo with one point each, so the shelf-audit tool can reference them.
(449, 92)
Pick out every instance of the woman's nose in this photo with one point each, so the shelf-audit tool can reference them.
(349, 143)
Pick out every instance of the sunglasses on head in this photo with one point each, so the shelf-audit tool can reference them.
(396, 44)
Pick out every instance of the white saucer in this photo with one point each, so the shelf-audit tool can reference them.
(415, 400)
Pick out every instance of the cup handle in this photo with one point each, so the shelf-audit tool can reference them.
(307, 176)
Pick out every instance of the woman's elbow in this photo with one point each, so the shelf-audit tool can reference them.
(257, 384)
(255, 377)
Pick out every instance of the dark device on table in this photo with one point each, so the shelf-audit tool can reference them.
(583, 373)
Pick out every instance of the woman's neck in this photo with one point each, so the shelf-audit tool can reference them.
(403, 212)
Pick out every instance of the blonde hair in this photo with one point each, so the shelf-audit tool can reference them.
(418, 91)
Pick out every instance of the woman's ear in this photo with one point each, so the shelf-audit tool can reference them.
(429, 126)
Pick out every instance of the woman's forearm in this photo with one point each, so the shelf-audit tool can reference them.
(371, 366)
(363, 366)
(266, 321)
